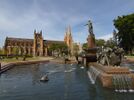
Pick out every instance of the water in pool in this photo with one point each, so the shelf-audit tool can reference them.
(66, 82)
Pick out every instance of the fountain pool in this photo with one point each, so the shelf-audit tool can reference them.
(66, 82)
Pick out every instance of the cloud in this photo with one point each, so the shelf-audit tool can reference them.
(20, 18)
(105, 37)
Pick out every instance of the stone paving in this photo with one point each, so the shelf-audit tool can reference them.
(39, 59)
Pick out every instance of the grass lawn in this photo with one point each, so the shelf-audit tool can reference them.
(129, 56)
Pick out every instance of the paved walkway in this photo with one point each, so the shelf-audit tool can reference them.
(38, 59)
(52, 59)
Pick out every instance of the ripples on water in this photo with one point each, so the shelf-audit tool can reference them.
(66, 82)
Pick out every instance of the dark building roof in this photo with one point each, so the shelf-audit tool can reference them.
(53, 41)
(31, 40)
(18, 39)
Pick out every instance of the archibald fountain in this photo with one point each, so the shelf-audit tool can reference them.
(104, 64)
(90, 55)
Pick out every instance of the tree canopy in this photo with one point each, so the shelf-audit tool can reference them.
(100, 42)
(125, 34)
(110, 43)
(56, 46)
(62, 48)
(1, 51)
(85, 46)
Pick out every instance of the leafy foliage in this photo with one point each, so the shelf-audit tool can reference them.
(1, 51)
(110, 43)
(55, 46)
(100, 42)
(62, 48)
(125, 27)
(76, 49)
(15, 50)
(85, 46)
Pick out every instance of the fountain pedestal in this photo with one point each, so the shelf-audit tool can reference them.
(91, 51)
(91, 41)
(107, 73)
(90, 55)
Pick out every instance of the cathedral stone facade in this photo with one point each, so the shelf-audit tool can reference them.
(34, 47)
(69, 40)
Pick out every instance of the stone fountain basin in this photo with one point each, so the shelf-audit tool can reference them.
(107, 72)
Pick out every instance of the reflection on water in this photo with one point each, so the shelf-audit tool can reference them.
(66, 82)
(35, 71)
(130, 65)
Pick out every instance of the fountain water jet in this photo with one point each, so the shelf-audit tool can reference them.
(93, 73)
(122, 83)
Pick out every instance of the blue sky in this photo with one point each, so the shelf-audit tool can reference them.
(19, 18)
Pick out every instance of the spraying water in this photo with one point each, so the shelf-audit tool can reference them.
(122, 83)
(93, 73)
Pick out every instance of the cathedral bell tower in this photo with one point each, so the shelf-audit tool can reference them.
(38, 44)
(68, 39)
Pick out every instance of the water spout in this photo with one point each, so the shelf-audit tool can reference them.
(122, 83)
(93, 73)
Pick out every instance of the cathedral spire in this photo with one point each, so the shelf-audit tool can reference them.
(69, 30)
(41, 32)
(34, 31)
(66, 31)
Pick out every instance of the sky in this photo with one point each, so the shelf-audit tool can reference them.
(19, 18)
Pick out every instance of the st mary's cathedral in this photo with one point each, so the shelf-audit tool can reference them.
(36, 46)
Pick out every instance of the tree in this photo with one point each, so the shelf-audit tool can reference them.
(110, 43)
(63, 49)
(100, 42)
(59, 48)
(84, 46)
(115, 37)
(15, 50)
(76, 49)
(125, 27)
(1, 51)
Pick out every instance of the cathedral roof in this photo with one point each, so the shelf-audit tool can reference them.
(18, 39)
(53, 41)
(31, 40)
